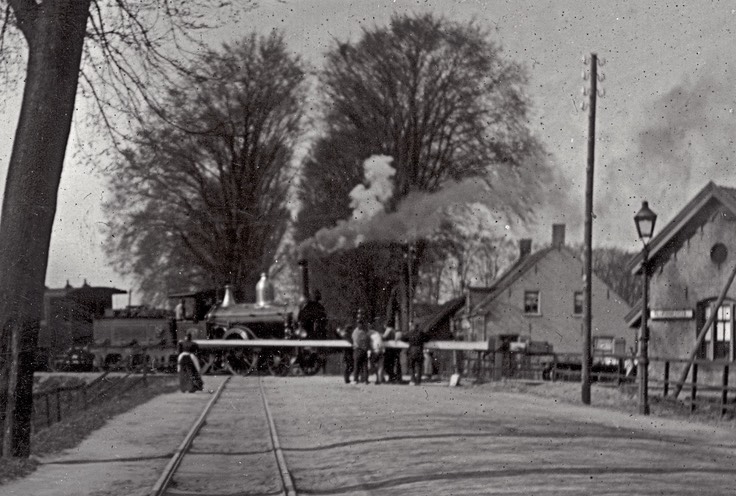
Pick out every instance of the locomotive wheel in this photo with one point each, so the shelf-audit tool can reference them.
(242, 361)
(310, 362)
(279, 363)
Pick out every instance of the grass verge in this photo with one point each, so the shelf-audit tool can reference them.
(620, 398)
(72, 430)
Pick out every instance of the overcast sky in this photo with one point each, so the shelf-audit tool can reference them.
(665, 125)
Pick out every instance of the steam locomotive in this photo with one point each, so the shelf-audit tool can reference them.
(131, 338)
(264, 319)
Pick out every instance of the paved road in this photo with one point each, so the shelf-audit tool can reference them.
(383, 440)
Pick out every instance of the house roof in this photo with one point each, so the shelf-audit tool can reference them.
(665, 240)
(98, 290)
(512, 274)
(633, 318)
(429, 323)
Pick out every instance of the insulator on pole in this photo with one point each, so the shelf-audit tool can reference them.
(601, 77)
(584, 75)
(583, 106)
(601, 92)
(584, 91)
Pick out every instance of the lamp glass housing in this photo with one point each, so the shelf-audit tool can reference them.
(645, 220)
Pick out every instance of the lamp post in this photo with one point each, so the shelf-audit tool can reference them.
(645, 220)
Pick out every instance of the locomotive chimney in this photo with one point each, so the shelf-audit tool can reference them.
(304, 264)
(229, 298)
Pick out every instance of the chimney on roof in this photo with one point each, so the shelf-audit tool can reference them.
(525, 248)
(558, 235)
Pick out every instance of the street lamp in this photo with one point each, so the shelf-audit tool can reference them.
(645, 220)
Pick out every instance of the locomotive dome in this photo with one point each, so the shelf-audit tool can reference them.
(264, 310)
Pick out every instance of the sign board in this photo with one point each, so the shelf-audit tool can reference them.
(678, 314)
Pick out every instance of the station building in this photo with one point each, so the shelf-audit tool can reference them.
(540, 300)
(690, 261)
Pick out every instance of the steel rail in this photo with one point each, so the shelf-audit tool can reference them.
(286, 479)
(163, 482)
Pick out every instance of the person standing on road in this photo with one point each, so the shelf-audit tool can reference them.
(376, 355)
(190, 378)
(347, 356)
(392, 356)
(361, 345)
(415, 354)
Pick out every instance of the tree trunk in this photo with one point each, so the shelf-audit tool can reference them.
(55, 31)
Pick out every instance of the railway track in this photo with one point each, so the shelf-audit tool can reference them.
(218, 457)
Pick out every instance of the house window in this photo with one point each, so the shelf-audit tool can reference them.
(603, 345)
(717, 342)
(531, 302)
(578, 303)
(723, 326)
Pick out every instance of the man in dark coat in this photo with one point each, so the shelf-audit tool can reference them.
(392, 356)
(347, 357)
(415, 354)
(313, 317)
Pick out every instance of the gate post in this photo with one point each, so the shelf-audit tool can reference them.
(694, 388)
(724, 391)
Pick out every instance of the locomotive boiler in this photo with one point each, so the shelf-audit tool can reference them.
(265, 318)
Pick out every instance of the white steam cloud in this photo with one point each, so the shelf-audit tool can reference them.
(688, 140)
(512, 196)
(369, 201)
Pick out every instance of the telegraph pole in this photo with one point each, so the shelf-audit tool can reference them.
(588, 235)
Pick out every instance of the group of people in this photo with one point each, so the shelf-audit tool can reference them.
(369, 355)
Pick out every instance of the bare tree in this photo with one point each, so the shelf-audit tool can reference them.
(129, 44)
(611, 265)
(201, 197)
(435, 95)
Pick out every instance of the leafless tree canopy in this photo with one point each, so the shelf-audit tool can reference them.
(119, 49)
(435, 95)
(201, 197)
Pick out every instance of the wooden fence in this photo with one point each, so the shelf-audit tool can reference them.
(62, 402)
(708, 384)
(710, 389)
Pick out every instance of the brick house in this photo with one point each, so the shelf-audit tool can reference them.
(540, 299)
(690, 261)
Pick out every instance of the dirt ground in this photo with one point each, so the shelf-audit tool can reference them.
(350, 439)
